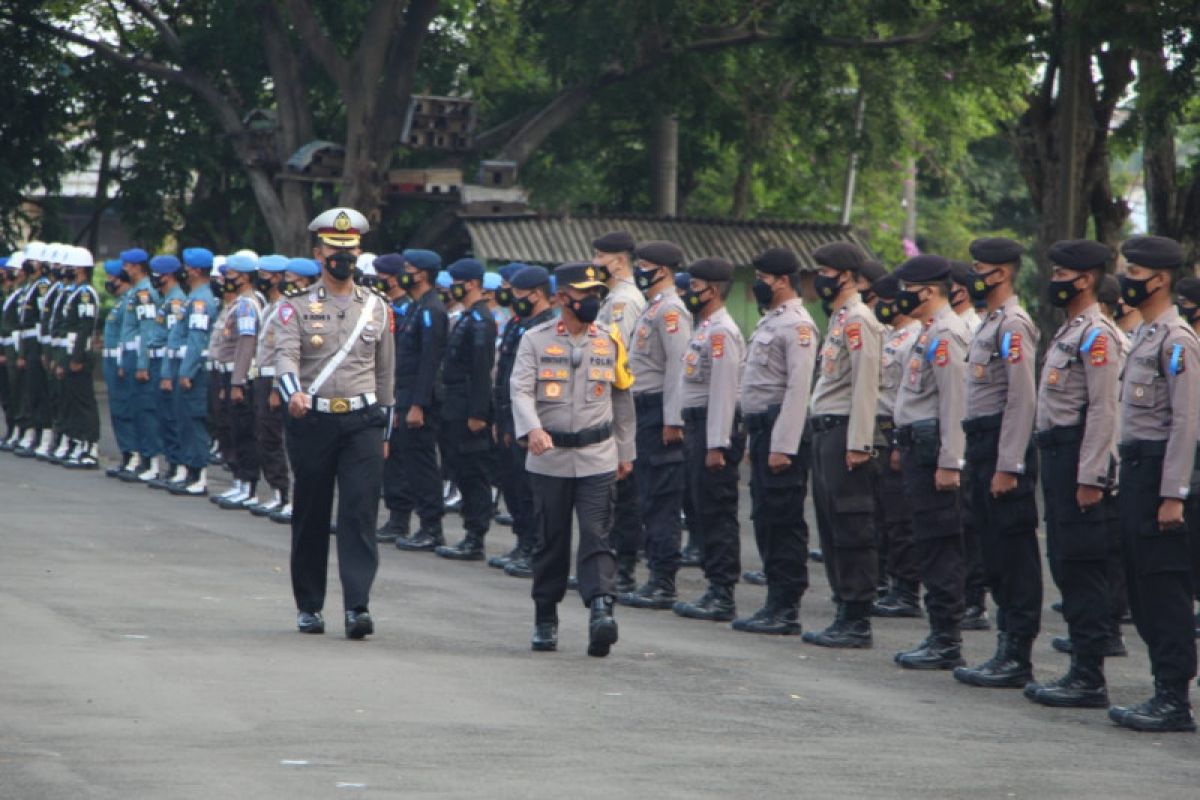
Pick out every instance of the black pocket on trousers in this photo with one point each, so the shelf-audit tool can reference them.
(1158, 551)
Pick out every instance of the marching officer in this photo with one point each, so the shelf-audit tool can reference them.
(1077, 439)
(1001, 463)
(844, 402)
(530, 302)
(239, 342)
(893, 516)
(657, 348)
(612, 256)
(412, 476)
(775, 392)
(712, 440)
(571, 403)
(1160, 419)
(191, 374)
(335, 361)
(80, 414)
(466, 434)
(928, 413)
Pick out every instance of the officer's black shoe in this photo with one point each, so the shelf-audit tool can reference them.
(976, 619)
(658, 592)
(545, 637)
(393, 529)
(755, 577)
(715, 605)
(503, 518)
(359, 624)
(602, 628)
(499, 562)
(1009, 668)
(520, 567)
(851, 629)
(942, 650)
(897, 603)
(310, 622)
(169, 476)
(572, 582)
(423, 541)
(113, 472)
(469, 549)
(626, 574)
(773, 619)
(1081, 687)
(816, 555)
(1168, 711)
(283, 516)
(1056, 606)
(1114, 647)
(691, 556)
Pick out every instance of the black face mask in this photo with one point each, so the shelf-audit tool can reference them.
(263, 285)
(979, 289)
(1133, 292)
(340, 266)
(694, 299)
(827, 287)
(231, 285)
(287, 287)
(645, 278)
(156, 281)
(1192, 315)
(908, 301)
(867, 295)
(763, 294)
(1062, 292)
(110, 286)
(522, 306)
(504, 297)
(885, 311)
(215, 285)
(445, 296)
(587, 309)
(458, 291)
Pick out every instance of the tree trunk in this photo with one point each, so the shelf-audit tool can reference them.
(664, 170)
(910, 200)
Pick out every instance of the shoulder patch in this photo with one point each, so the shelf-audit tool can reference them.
(804, 335)
(1010, 347)
(1176, 365)
(854, 336)
(718, 345)
(144, 295)
(1097, 348)
(286, 312)
(671, 321)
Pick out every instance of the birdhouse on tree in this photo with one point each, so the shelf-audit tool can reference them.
(498, 174)
(429, 183)
(259, 126)
(439, 123)
(319, 159)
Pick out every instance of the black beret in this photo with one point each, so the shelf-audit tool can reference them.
(923, 269)
(962, 273)
(888, 286)
(777, 261)
(578, 275)
(1110, 290)
(711, 269)
(872, 271)
(665, 254)
(1155, 252)
(530, 278)
(839, 255)
(1189, 289)
(1079, 254)
(614, 242)
(389, 264)
(996, 250)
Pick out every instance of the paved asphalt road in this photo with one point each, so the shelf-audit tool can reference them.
(147, 650)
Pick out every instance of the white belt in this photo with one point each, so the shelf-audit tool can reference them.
(114, 352)
(130, 345)
(266, 372)
(156, 352)
(228, 365)
(343, 405)
(172, 353)
(29, 334)
(210, 365)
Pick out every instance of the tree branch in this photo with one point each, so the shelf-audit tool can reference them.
(164, 30)
(378, 30)
(309, 29)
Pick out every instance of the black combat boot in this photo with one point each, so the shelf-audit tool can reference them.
(602, 628)
(1167, 711)
(900, 601)
(425, 540)
(500, 561)
(715, 605)
(692, 554)
(778, 617)
(522, 565)
(1010, 667)
(755, 577)
(1114, 646)
(545, 629)
(469, 549)
(1081, 687)
(395, 528)
(626, 574)
(941, 650)
(114, 471)
(850, 629)
(657, 592)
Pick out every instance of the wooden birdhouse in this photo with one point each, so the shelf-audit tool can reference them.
(319, 159)
(439, 123)
(498, 174)
(259, 129)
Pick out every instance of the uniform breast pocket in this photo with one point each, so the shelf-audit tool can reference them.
(981, 365)
(553, 391)
(694, 367)
(760, 350)
(599, 385)
(1058, 370)
(1144, 390)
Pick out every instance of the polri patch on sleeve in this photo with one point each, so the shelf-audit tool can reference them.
(854, 336)
(671, 321)
(1176, 364)
(1010, 347)
(941, 354)
(718, 345)
(804, 335)
(1098, 352)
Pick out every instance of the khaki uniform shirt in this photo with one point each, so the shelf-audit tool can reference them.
(1160, 396)
(712, 373)
(972, 319)
(566, 384)
(897, 344)
(1000, 379)
(935, 383)
(241, 337)
(310, 330)
(656, 352)
(621, 309)
(779, 371)
(848, 379)
(264, 356)
(1080, 382)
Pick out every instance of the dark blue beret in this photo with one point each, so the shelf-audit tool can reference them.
(888, 286)
(962, 273)
(389, 264)
(777, 261)
(664, 254)
(923, 269)
(1189, 289)
(530, 278)
(135, 256)
(164, 265)
(509, 270)
(872, 271)
(198, 257)
(996, 250)
(683, 280)
(711, 269)
(466, 269)
(1079, 254)
(842, 256)
(426, 260)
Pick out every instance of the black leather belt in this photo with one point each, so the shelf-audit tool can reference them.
(697, 414)
(762, 421)
(983, 424)
(647, 400)
(1058, 435)
(827, 422)
(583, 438)
(1131, 451)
